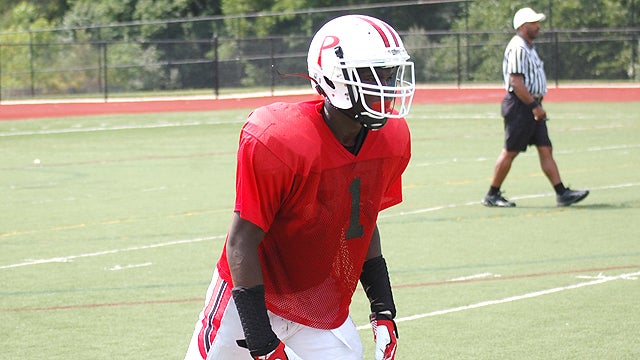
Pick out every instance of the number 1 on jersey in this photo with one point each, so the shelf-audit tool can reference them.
(355, 228)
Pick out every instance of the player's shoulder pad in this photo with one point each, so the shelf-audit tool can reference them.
(288, 130)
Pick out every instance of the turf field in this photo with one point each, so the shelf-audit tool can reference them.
(110, 227)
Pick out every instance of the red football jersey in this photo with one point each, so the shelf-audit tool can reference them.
(317, 203)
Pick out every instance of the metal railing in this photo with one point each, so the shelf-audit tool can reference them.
(35, 65)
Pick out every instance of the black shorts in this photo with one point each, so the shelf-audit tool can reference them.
(520, 127)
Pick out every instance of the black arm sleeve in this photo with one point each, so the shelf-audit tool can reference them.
(260, 338)
(376, 284)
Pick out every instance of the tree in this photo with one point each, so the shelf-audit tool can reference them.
(50, 10)
(568, 56)
(18, 57)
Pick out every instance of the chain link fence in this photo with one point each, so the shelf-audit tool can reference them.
(36, 65)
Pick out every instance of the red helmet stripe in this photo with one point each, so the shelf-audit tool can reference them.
(393, 33)
(380, 31)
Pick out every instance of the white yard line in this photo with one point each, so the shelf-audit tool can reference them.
(476, 203)
(261, 94)
(127, 267)
(187, 241)
(115, 128)
(599, 280)
(475, 276)
(529, 154)
(108, 252)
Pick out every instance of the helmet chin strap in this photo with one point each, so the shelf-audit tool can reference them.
(371, 122)
(366, 119)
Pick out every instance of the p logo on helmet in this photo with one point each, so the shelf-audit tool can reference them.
(329, 42)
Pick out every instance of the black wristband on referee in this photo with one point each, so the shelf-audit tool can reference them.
(260, 338)
(533, 105)
(375, 281)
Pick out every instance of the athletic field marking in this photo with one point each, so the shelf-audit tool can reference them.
(529, 154)
(613, 147)
(126, 267)
(602, 276)
(114, 128)
(530, 295)
(516, 276)
(476, 276)
(90, 306)
(169, 99)
(65, 259)
(476, 203)
(107, 221)
(171, 301)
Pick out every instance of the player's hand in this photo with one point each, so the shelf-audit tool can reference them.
(282, 352)
(385, 334)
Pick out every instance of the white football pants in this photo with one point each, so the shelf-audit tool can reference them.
(219, 327)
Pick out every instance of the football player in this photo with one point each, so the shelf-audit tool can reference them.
(311, 178)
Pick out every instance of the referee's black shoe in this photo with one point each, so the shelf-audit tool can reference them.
(569, 197)
(497, 200)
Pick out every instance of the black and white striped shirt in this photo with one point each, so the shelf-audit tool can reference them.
(522, 58)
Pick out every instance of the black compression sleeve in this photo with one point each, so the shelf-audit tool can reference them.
(376, 284)
(259, 336)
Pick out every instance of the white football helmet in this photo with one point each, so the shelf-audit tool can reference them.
(351, 42)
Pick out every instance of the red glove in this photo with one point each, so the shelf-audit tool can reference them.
(282, 352)
(385, 335)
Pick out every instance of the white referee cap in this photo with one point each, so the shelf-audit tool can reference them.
(526, 15)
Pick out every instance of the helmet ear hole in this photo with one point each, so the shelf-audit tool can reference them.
(330, 83)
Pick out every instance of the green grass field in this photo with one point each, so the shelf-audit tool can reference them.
(109, 238)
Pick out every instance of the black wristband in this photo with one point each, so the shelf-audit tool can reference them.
(260, 338)
(375, 281)
(533, 105)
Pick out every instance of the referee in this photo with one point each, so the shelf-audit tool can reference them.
(524, 116)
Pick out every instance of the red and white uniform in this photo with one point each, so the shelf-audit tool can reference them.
(317, 204)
